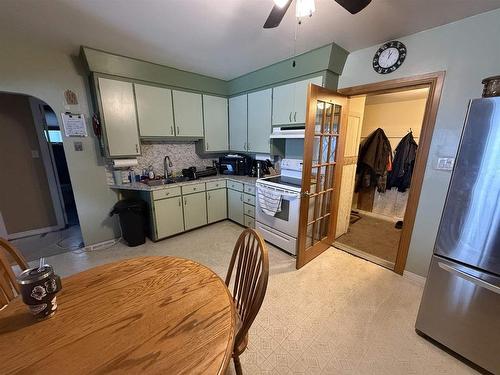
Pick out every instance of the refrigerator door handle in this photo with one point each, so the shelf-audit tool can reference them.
(468, 277)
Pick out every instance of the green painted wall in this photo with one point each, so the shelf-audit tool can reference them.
(313, 63)
(108, 63)
(30, 68)
(327, 61)
(461, 49)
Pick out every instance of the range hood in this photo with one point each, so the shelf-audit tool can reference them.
(296, 131)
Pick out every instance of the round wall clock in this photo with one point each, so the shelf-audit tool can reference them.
(389, 57)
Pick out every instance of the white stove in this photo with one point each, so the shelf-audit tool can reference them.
(282, 228)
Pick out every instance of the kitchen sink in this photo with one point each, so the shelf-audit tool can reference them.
(165, 181)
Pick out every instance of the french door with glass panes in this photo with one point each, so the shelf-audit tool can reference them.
(326, 117)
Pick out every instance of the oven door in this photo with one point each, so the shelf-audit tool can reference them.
(287, 220)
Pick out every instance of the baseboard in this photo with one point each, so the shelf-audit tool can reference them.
(100, 245)
(34, 232)
(420, 280)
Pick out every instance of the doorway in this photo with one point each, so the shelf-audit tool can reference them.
(348, 106)
(37, 207)
(381, 149)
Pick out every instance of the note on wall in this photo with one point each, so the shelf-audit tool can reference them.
(74, 125)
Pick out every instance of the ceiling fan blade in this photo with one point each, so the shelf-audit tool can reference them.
(353, 6)
(276, 15)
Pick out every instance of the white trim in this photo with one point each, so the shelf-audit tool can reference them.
(100, 245)
(34, 232)
(3, 229)
(417, 279)
(48, 161)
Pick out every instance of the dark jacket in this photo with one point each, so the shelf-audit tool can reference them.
(374, 153)
(404, 162)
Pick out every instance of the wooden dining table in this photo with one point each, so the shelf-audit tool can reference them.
(142, 315)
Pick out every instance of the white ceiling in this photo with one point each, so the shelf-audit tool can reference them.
(219, 38)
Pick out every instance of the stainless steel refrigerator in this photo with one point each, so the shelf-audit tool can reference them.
(460, 306)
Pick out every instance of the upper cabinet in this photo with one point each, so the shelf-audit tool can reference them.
(289, 102)
(215, 117)
(188, 114)
(154, 111)
(259, 121)
(120, 117)
(238, 123)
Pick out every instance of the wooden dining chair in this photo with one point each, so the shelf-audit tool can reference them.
(8, 285)
(250, 261)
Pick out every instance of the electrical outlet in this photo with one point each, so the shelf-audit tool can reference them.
(78, 146)
(445, 164)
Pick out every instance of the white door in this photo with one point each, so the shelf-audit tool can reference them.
(216, 205)
(188, 114)
(283, 98)
(120, 118)
(169, 218)
(353, 137)
(238, 123)
(215, 116)
(154, 111)
(235, 206)
(259, 121)
(300, 99)
(195, 210)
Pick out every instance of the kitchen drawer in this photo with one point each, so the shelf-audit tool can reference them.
(250, 199)
(166, 193)
(248, 210)
(249, 222)
(238, 186)
(194, 188)
(216, 184)
(250, 189)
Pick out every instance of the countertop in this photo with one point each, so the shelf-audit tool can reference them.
(143, 187)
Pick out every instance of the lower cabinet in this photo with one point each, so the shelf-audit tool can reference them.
(169, 219)
(216, 205)
(195, 210)
(235, 206)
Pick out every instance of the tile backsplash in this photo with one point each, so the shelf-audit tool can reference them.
(182, 155)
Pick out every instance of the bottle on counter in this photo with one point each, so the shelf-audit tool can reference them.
(151, 173)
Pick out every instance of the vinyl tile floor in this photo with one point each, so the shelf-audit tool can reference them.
(337, 315)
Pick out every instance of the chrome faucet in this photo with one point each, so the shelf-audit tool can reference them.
(167, 166)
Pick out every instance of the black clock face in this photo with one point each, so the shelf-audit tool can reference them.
(389, 57)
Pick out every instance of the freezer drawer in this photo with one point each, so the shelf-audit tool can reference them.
(460, 308)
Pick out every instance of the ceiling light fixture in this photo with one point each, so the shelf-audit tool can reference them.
(304, 8)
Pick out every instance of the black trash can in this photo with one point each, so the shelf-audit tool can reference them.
(132, 213)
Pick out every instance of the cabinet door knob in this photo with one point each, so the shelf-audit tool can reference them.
(185, 202)
(295, 117)
(290, 117)
(171, 130)
(207, 145)
(180, 202)
(136, 148)
(178, 130)
(208, 196)
(241, 197)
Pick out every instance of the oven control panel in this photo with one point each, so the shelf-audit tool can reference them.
(292, 164)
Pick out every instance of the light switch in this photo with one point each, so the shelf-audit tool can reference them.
(78, 146)
(445, 164)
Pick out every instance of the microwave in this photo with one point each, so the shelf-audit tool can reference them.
(238, 165)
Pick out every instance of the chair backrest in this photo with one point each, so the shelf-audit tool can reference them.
(8, 284)
(251, 261)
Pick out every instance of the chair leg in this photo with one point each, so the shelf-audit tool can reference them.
(237, 366)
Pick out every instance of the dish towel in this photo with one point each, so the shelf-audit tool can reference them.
(269, 200)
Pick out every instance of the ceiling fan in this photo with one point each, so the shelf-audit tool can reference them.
(306, 8)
